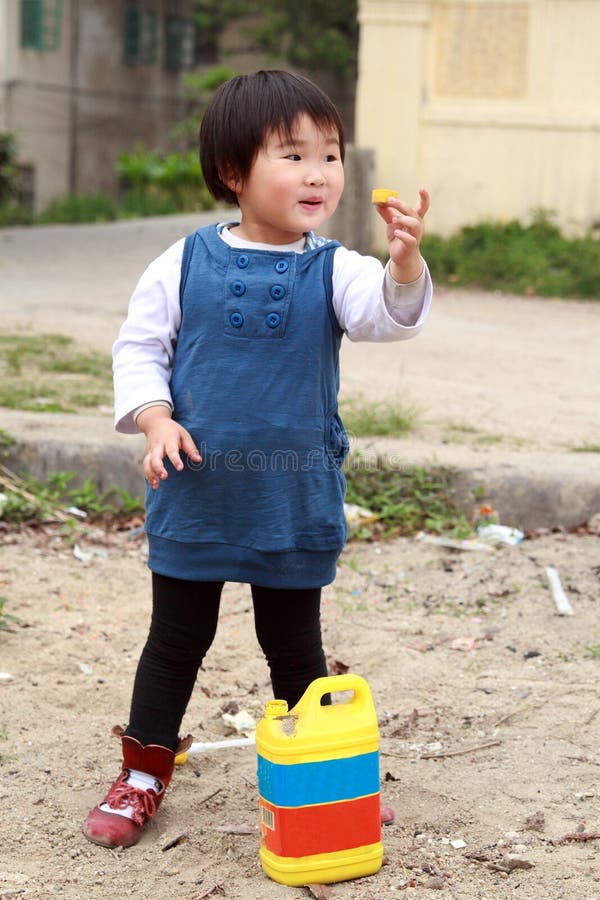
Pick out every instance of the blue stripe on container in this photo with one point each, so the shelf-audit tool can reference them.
(325, 781)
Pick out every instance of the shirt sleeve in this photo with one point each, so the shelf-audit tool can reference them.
(371, 306)
(143, 352)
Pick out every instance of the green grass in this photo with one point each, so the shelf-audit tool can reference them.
(461, 433)
(516, 258)
(5, 618)
(384, 419)
(489, 439)
(29, 500)
(79, 208)
(50, 373)
(7, 751)
(406, 500)
(586, 448)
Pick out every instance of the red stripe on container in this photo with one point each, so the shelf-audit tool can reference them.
(323, 828)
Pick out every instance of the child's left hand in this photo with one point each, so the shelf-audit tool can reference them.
(404, 227)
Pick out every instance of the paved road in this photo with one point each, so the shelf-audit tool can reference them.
(496, 379)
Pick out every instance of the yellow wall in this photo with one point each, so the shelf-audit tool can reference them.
(494, 105)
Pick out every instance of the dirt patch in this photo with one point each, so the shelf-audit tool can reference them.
(488, 703)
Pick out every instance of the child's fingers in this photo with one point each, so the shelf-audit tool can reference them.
(154, 470)
(387, 213)
(399, 206)
(422, 206)
(408, 228)
(172, 452)
(154, 467)
(189, 447)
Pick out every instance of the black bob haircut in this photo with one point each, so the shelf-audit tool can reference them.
(243, 112)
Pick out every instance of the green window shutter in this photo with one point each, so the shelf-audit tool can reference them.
(140, 35)
(41, 24)
(180, 43)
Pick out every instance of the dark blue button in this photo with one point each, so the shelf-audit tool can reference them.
(238, 288)
(243, 261)
(236, 319)
(282, 266)
(277, 292)
(273, 320)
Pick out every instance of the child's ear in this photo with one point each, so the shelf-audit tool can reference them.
(230, 179)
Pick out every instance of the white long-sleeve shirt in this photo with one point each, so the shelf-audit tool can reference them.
(368, 303)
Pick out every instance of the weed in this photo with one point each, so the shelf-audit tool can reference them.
(86, 497)
(30, 500)
(128, 503)
(77, 208)
(13, 213)
(586, 448)
(351, 562)
(49, 373)
(461, 428)
(594, 651)
(405, 500)
(511, 257)
(377, 419)
(159, 184)
(489, 439)
(5, 754)
(6, 619)
(6, 442)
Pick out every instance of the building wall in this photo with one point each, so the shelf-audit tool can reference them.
(35, 100)
(75, 108)
(494, 105)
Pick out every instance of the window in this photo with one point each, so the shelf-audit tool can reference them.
(180, 43)
(140, 37)
(40, 24)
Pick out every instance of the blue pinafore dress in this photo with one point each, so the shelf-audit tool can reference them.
(255, 381)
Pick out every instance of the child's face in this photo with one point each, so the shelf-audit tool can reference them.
(292, 187)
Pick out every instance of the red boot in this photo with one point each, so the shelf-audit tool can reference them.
(120, 819)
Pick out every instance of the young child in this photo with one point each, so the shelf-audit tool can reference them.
(228, 363)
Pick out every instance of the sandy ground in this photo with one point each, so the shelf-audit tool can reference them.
(488, 701)
(488, 705)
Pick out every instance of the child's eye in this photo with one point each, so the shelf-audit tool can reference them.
(293, 156)
(331, 157)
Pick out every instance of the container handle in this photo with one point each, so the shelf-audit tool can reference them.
(334, 684)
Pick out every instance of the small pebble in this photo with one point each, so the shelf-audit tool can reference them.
(458, 844)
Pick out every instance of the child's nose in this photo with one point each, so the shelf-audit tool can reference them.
(315, 176)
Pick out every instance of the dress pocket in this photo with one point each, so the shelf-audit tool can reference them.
(337, 445)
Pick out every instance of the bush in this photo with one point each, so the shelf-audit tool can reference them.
(511, 257)
(12, 211)
(77, 208)
(8, 167)
(158, 184)
(14, 214)
(141, 202)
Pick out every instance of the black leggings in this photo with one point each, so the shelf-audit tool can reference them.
(183, 626)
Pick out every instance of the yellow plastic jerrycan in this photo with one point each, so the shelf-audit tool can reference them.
(318, 783)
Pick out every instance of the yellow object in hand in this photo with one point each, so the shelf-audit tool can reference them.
(382, 195)
(181, 759)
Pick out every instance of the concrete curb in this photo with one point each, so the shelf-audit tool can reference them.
(548, 492)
